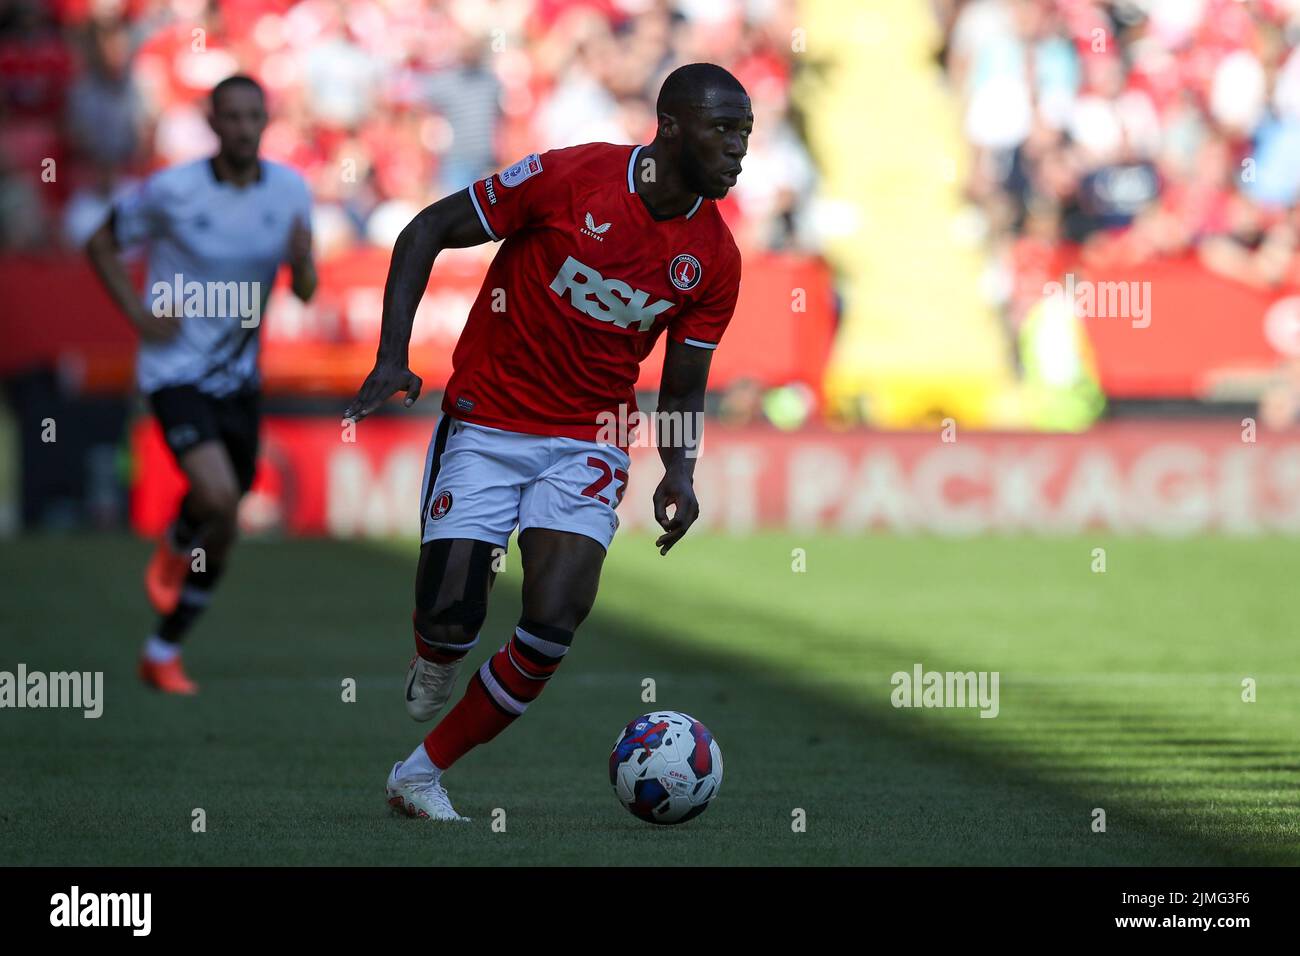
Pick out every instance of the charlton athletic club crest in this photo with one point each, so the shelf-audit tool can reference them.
(685, 272)
(441, 505)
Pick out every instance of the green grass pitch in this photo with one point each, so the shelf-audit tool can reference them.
(1119, 690)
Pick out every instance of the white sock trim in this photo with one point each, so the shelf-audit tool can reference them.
(159, 651)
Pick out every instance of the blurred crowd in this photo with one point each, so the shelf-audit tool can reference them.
(385, 105)
(1130, 129)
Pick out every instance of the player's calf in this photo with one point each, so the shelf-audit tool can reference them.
(451, 593)
(440, 647)
(500, 691)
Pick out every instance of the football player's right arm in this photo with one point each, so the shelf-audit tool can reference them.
(102, 250)
(450, 223)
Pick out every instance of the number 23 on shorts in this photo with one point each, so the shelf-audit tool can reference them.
(607, 475)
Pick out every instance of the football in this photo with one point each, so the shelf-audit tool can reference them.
(666, 767)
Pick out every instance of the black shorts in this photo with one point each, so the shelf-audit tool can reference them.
(189, 417)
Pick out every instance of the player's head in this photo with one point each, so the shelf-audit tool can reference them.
(238, 117)
(704, 124)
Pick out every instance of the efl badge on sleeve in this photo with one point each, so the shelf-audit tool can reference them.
(530, 165)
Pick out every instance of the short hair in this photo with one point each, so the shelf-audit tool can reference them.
(239, 79)
(689, 85)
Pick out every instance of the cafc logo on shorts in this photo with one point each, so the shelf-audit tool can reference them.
(441, 505)
(182, 436)
(685, 272)
(606, 300)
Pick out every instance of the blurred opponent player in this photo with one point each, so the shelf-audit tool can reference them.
(220, 227)
(606, 247)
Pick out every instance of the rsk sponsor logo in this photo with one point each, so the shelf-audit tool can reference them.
(606, 300)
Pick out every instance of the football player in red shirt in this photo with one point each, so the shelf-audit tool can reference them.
(605, 248)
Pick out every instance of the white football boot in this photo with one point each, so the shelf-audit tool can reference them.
(420, 795)
(429, 687)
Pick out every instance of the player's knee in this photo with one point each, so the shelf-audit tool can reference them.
(217, 504)
(225, 508)
(441, 618)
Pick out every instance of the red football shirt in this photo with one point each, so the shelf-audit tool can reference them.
(580, 290)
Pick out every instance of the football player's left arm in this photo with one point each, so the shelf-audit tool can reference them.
(681, 396)
(302, 267)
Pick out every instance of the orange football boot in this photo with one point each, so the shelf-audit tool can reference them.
(165, 575)
(167, 676)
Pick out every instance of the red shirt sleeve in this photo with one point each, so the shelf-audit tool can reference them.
(512, 199)
(702, 325)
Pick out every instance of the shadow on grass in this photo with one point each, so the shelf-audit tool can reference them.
(921, 787)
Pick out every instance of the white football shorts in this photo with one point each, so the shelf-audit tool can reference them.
(482, 483)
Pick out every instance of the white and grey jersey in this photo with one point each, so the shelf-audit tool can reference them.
(214, 249)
